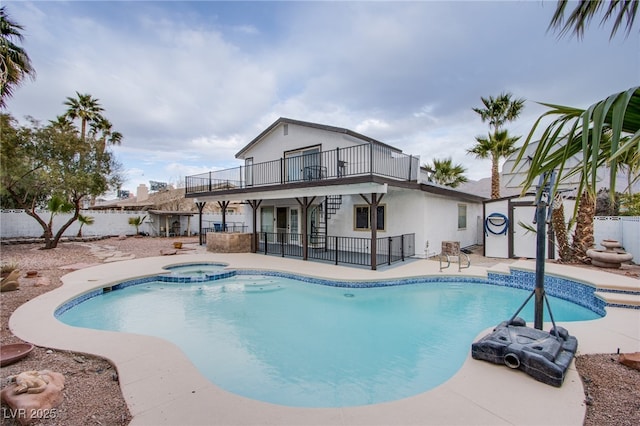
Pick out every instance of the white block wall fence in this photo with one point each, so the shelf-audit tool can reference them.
(17, 224)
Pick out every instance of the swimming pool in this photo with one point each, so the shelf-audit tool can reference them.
(289, 342)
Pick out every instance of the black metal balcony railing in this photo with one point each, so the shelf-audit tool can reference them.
(350, 250)
(360, 160)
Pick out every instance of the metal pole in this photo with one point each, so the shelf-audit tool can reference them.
(541, 217)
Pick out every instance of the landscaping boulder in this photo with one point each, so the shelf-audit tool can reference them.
(10, 282)
(33, 395)
(631, 360)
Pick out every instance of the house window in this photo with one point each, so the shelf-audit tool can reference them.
(462, 216)
(362, 218)
(285, 129)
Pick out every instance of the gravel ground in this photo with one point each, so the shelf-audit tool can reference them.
(92, 395)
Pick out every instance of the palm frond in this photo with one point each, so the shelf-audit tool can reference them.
(620, 11)
(595, 132)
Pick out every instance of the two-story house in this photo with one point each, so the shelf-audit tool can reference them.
(324, 192)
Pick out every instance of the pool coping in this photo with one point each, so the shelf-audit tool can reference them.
(161, 386)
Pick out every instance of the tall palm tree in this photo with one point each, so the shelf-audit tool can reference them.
(102, 130)
(500, 110)
(497, 111)
(444, 172)
(84, 107)
(15, 64)
(585, 10)
(496, 146)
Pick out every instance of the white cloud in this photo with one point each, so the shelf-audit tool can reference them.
(189, 84)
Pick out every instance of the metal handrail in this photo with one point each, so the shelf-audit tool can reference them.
(459, 257)
(359, 160)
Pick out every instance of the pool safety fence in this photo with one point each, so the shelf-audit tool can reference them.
(345, 250)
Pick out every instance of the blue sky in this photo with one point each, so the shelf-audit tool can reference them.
(189, 84)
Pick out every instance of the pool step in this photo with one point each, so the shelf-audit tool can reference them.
(252, 287)
(619, 291)
(631, 300)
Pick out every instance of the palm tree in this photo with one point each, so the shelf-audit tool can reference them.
(495, 146)
(63, 124)
(607, 132)
(630, 161)
(585, 10)
(84, 220)
(102, 129)
(497, 111)
(137, 221)
(84, 107)
(560, 229)
(443, 172)
(15, 64)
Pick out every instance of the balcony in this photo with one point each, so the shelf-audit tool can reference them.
(309, 169)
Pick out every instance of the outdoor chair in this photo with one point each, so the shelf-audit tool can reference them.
(451, 252)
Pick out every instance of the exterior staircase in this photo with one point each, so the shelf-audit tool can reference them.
(327, 208)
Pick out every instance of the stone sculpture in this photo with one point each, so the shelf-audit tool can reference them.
(33, 395)
(30, 381)
(10, 282)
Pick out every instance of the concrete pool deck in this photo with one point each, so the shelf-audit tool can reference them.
(162, 387)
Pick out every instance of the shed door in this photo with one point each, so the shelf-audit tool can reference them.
(524, 241)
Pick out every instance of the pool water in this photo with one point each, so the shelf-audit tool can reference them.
(293, 343)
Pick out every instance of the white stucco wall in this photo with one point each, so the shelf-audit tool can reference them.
(432, 218)
(441, 222)
(275, 144)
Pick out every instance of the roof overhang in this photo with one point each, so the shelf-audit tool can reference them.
(170, 213)
(317, 191)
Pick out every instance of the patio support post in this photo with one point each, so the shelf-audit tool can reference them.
(223, 205)
(305, 236)
(254, 240)
(304, 204)
(200, 205)
(373, 219)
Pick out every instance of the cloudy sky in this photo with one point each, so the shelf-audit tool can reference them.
(189, 84)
